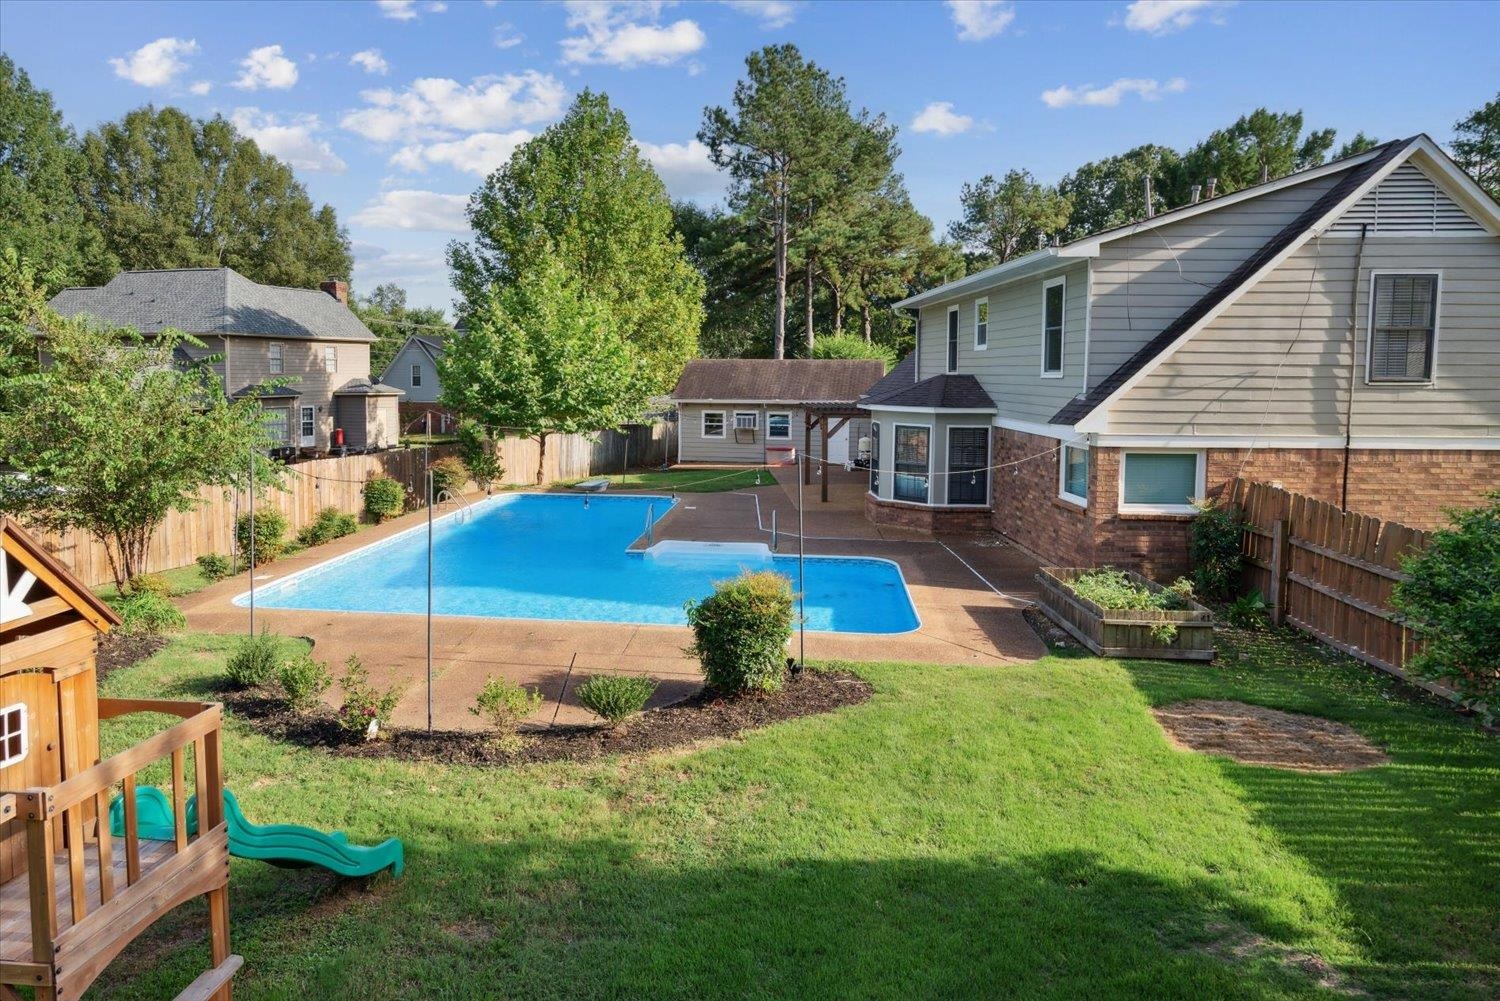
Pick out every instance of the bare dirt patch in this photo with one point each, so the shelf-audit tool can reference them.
(1254, 735)
(117, 650)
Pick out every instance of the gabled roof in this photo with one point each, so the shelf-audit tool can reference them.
(366, 387)
(213, 302)
(767, 380)
(19, 544)
(903, 376)
(430, 345)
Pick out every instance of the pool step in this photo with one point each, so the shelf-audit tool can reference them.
(683, 549)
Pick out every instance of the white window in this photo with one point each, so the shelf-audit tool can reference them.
(416, 375)
(1403, 328)
(778, 425)
(275, 420)
(953, 339)
(12, 734)
(274, 363)
(1161, 482)
(1073, 474)
(1054, 295)
(981, 324)
(713, 423)
(746, 420)
(912, 462)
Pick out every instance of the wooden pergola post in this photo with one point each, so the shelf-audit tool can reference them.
(807, 422)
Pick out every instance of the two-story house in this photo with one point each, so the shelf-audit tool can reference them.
(1336, 331)
(414, 371)
(302, 352)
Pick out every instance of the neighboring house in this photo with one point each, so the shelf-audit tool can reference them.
(754, 410)
(1121, 376)
(261, 335)
(414, 372)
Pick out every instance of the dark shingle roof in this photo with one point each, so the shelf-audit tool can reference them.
(903, 376)
(1080, 407)
(266, 392)
(766, 380)
(213, 301)
(939, 392)
(366, 387)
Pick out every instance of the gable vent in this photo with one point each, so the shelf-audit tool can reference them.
(1407, 202)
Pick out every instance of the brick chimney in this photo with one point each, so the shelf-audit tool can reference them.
(339, 290)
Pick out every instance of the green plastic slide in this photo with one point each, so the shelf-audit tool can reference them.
(279, 844)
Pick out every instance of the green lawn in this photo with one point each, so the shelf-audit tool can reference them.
(182, 580)
(697, 481)
(970, 832)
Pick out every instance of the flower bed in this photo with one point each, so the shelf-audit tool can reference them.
(1153, 621)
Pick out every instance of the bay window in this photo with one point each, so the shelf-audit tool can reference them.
(913, 455)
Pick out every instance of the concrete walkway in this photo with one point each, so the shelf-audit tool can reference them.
(965, 619)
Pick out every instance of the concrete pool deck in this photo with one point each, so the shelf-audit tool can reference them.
(965, 619)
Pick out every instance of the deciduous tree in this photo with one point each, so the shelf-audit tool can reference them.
(1262, 145)
(1006, 218)
(1476, 145)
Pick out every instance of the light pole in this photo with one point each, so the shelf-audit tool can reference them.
(251, 546)
(801, 576)
(429, 596)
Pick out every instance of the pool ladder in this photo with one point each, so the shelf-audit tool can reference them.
(464, 514)
(650, 525)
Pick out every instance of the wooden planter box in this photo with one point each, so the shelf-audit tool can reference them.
(1115, 632)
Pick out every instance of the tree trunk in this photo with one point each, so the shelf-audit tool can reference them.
(778, 346)
(809, 293)
(838, 310)
(864, 319)
(541, 456)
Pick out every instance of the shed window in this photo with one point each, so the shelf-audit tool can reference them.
(713, 423)
(968, 461)
(12, 734)
(416, 375)
(981, 324)
(1403, 328)
(953, 339)
(912, 456)
(274, 363)
(778, 425)
(1053, 295)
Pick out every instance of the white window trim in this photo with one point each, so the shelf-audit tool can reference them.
(989, 444)
(703, 424)
(1199, 482)
(1437, 315)
(896, 434)
(1062, 473)
(754, 424)
(330, 358)
(25, 734)
(952, 321)
(304, 414)
(416, 375)
(985, 344)
(276, 358)
(1062, 353)
(779, 437)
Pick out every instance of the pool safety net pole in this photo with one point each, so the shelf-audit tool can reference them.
(801, 573)
(429, 590)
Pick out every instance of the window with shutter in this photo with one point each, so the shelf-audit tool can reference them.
(1403, 324)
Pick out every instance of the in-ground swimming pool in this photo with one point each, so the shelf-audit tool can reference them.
(555, 556)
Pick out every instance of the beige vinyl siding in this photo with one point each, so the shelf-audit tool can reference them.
(211, 346)
(1010, 368)
(1296, 321)
(696, 448)
(303, 366)
(399, 374)
(1142, 281)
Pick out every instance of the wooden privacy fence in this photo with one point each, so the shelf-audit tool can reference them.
(1329, 572)
(308, 487)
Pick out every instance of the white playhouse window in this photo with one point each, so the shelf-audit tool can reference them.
(12, 734)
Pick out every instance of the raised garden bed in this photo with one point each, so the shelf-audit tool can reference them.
(1183, 633)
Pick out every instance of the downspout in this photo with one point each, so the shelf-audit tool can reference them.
(1359, 260)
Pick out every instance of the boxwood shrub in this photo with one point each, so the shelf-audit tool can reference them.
(270, 535)
(740, 632)
(384, 498)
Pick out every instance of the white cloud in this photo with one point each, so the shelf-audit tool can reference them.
(770, 13)
(940, 119)
(1090, 96)
(156, 63)
(437, 7)
(371, 61)
(407, 209)
(292, 140)
(684, 168)
(266, 67)
(478, 154)
(437, 108)
(200, 87)
(507, 37)
(1162, 17)
(627, 35)
(978, 20)
(398, 10)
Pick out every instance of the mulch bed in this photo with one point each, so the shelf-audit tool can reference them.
(117, 650)
(1255, 735)
(699, 717)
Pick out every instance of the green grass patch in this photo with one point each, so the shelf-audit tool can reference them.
(688, 481)
(182, 580)
(969, 832)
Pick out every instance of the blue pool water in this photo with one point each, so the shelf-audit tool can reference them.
(548, 556)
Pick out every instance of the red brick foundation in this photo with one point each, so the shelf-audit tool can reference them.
(934, 520)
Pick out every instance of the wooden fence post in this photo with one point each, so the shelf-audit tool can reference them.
(1281, 552)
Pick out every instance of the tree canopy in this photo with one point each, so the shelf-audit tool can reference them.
(392, 321)
(1476, 145)
(1006, 218)
(582, 194)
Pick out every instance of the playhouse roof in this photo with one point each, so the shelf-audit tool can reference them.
(67, 592)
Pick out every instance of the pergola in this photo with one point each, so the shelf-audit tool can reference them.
(819, 415)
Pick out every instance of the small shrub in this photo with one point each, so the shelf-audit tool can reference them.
(1248, 611)
(1216, 550)
(1113, 589)
(146, 613)
(304, 680)
(477, 451)
(1452, 599)
(253, 661)
(149, 583)
(448, 474)
(615, 697)
(214, 567)
(363, 704)
(384, 498)
(330, 524)
(270, 535)
(740, 632)
(504, 704)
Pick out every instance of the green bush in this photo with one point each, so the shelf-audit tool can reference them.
(852, 346)
(149, 583)
(304, 680)
(448, 474)
(384, 498)
(1451, 597)
(504, 704)
(740, 632)
(1216, 550)
(615, 697)
(363, 703)
(1248, 611)
(146, 613)
(270, 535)
(254, 660)
(330, 524)
(478, 454)
(1112, 589)
(214, 567)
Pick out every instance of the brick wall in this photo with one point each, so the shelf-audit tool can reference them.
(937, 520)
(1026, 506)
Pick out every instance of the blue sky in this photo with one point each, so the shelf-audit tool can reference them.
(394, 111)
